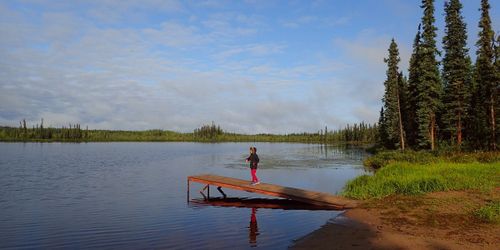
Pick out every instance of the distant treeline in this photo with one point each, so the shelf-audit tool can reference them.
(455, 105)
(357, 133)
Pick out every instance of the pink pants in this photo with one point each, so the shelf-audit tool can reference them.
(254, 175)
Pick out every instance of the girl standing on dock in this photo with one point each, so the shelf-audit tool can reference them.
(254, 162)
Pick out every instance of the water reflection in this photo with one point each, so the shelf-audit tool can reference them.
(131, 195)
(336, 152)
(304, 157)
(254, 204)
(260, 203)
(253, 228)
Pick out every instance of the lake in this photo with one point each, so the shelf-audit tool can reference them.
(133, 195)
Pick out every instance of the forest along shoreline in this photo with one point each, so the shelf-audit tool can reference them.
(440, 197)
(419, 200)
(357, 133)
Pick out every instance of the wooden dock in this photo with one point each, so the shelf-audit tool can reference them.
(306, 196)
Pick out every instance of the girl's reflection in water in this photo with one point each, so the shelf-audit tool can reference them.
(253, 228)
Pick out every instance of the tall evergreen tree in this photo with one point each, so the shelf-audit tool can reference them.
(455, 72)
(413, 82)
(429, 85)
(382, 138)
(497, 54)
(391, 99)
(497, 79)
(471, 107)
(486, 86)
(402, 97)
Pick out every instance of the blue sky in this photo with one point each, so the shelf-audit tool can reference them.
(251, 66)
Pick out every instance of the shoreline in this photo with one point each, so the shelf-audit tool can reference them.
(441, 220)
(362, 145)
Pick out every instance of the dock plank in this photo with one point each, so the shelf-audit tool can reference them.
(307, 196)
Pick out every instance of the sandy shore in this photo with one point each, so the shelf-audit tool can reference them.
(433, 221)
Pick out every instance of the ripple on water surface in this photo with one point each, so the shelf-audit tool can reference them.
(133, 195)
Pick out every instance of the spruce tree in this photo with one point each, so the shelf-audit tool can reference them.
(413, 82)
(391, 99)
(455, 72)
(382, 138)
(402, 97)
(471, 118)
(497, 80)
(497, 54)
(486, 86)
(429, 85)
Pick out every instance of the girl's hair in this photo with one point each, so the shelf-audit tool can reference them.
(254, 150)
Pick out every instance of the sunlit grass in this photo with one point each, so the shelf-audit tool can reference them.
(385, 158)
(412, 178)
(489, 213)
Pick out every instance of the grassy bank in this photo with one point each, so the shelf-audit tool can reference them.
(489, 213)
(385, 158)
(423, 172)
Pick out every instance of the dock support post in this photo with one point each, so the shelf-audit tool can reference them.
(203, 190)
(188, 182)
(222, 192)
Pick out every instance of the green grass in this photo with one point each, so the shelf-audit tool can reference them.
(489, 213)
(385, 158)
(416, 178)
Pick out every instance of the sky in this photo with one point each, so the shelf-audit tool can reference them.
(251, 66)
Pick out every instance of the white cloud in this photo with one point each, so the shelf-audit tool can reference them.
(176, 35)
(370, 49)
(365, 71)
(314, 21)
(66, 69)
(252, 49)
(299, 21)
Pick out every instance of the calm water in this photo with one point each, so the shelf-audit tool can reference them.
(133, 195)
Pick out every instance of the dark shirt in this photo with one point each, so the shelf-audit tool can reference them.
(254, 161)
